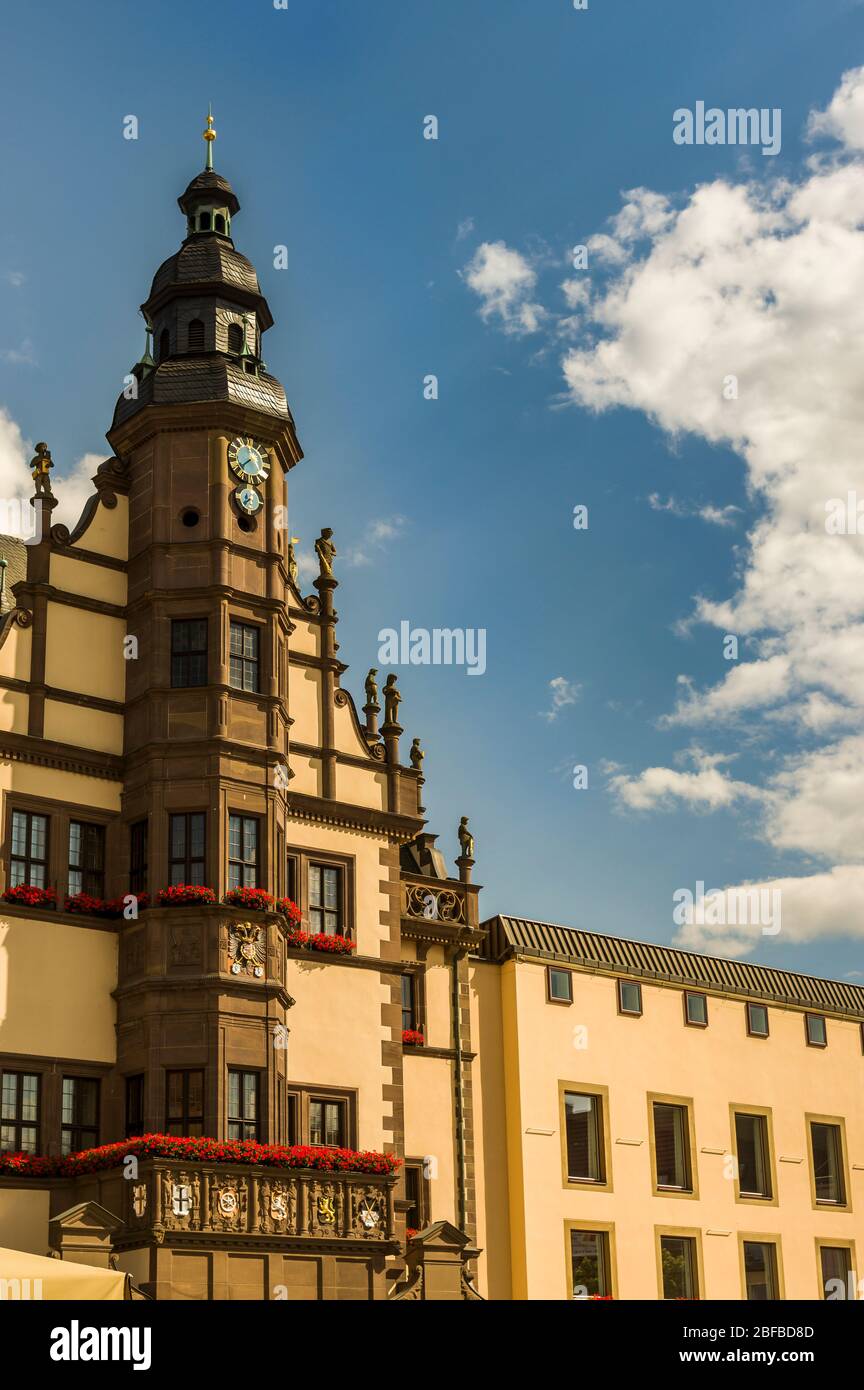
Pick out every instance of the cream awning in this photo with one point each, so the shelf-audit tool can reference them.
(58, 1279)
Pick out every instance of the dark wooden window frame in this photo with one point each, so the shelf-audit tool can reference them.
(302, 1096)
(85, 1136)
(254, 1125)
(824, 1021)
(18, 1123)
(423, 1200)
(253, 663)
(135, 1088)
(695, 994)
(27, 859)
(186, 1118)
(179, 677)
(139, 835)
(92, 880)
(187, 860)
(303, 858)
(619, 992)
(236, 813)
(559, 970)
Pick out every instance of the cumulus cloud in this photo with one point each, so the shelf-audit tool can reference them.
(375, 536)
(563, 693)
(715, 516)
(504, 282)
(811, 908)
(706, 788)
(72, 484)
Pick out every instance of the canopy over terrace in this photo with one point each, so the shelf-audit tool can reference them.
(36, 1277)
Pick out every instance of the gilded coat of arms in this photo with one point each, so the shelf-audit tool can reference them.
(247, 949)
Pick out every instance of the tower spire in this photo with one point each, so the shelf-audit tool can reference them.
(209, 137)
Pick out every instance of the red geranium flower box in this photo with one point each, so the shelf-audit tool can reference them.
(258, 899)
(25, 895)
(413, 1037)
(290, 910)
(330, 945)
(183, 894)
(246, 1151)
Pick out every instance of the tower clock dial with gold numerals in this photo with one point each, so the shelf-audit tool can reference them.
(249, 460)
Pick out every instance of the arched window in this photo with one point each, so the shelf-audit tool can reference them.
(195, 336)
(235, 339)
(203, 221)
(164, 344)
(219, 223)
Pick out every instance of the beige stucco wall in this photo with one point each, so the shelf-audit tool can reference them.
(108, 532)
(93, 581)
(24, 1220)
(365, 850)
(545, 1043)
(15, 653)
(54, 784)
(55, 990)
(490, 1135)
(304, 702)
(428, 1083)
(14, 711)
(82, 727)
(84, 652)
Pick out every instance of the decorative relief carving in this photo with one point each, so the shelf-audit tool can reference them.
(340, 697)
(184, 945)
(325, 1207)
(247, 949)
(23, 617)
(139, 1200)
(277, 1208)
(181, 1201)
(229, 1200)
(368, 1212)
(132, 950)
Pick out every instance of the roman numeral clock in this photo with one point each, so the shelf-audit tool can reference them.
(249, 461)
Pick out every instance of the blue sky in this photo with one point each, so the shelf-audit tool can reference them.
(458, 512)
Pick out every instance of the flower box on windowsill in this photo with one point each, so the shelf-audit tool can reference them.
(185, 895)
(84, 904)
(413, 1037)
(25, 895)
(256, 899)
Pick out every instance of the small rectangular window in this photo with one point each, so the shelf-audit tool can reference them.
(80, 1114)
(695, 1009)
(559, 985)
(184, 1103)
(409, 1002)
(629, 997)
(590, 1270)
(838, 1280)
(292, 878)
(242, 852)
(243, 1105)
(19, 1112)
(757, 1020)
(188, 652)
(583, 1119)
(28, 860)
(138, 857)
(327, 1123)
(753, 1154)
(679, 1267)
(414, 1194)
(826, 1143)
(244, 656)
(86, 859)
(326, 900)
(134, 1106)
(817, 1033)
(187, 848)
(760, 1271)
(672, 1147)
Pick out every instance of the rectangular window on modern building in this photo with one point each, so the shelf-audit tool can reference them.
(242, 852)
(184, 1103)
(28, 860)
(243, 1105)
(826, 1147)
(187, 848)
(630, 997)
(138, 857)
(244, 657)
(188, 652)
(328, 1123)
(590, 1265)
(559, 985)
(695, 1009)
(760, 1271)
(816, 1030)
(134, 1106)
(326, 898)
(679, 1267)
(19, 1112)
(754, 1156)
(757, 1021)
(673, 1159)
(80, 1114)
(586, 1149)
(86, 859)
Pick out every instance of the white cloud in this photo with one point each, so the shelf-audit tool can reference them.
(24, 355)
(373, 540)
(564, 693)
(72, 487)
(815, 907)
(715, 516)
(16, 278)
(843, 118)
(465, 228)
(504, 281)
(708, 788)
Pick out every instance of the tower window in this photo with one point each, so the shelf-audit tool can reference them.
(164, 344)
(242, 852)
(188, 652)
(203, 221)
(235, 339)
(219, 223)
(86, 859)
(244, 656)
(186, 847)
(195, 336)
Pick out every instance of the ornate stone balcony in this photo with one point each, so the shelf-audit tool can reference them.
(440, 910)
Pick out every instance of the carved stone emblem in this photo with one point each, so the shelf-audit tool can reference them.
(139, 1199)
(326, 1211)
(247, 949)
(181, 1199)
(370, 1214)
(229, 1203)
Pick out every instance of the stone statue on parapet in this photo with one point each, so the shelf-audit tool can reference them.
(392, 701)
(466, 839)
(372, 687)
(417, 755)
(293, 568)
(41, 466)
(326, 551)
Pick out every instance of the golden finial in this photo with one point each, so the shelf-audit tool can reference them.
(209, 136)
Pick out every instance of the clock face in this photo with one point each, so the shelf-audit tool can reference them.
(249, 460)
(248, 500)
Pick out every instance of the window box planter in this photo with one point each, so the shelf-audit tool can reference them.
(256, 899)
(290, 910)
(24, 895)
(185, 894)
(413, 1037)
